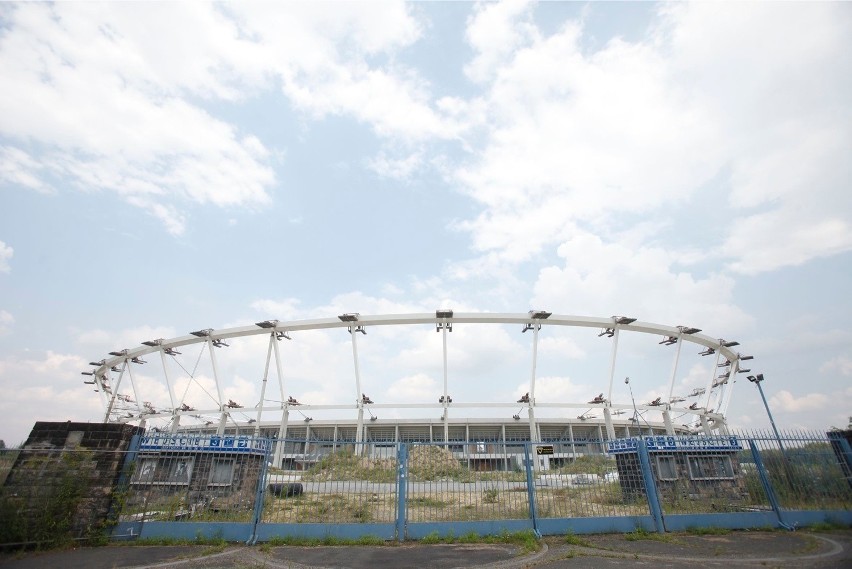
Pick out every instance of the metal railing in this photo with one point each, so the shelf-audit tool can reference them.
(230, 488)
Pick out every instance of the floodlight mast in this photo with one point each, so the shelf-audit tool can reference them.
(352, 317)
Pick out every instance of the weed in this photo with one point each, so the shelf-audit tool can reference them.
(431, 538)
(709, 530)
(827, 526)
(572, 539)
(641, 533)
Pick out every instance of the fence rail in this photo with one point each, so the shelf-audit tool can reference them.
(188, 487)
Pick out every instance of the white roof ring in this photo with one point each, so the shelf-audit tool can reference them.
(119, 361)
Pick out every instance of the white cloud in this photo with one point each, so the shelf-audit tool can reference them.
(6, 321)
(580, 138)
(44, 387)
(416, 388)
(108, 113)
(107, 341)
(122, 111)
(495, 30)
(623, 278)
(840, 364)
(396, 168)
(18, 168)
(6, 253)
(786, 401)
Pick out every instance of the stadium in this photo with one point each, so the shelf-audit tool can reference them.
(171, 395)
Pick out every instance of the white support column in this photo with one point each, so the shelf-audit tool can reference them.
(612, 362)
(285, 407)
(359, 433)
(446, 394)
(533, 430)
(115, 389)
(133, 385)
(99, 387)
(573, 447)
(706, 425)
(505, 454)
(674, 369)
(667, 417)
(729, 388)
(224, 417)
(610, 429)
(710, 383)
(175, 411)
(263, 385)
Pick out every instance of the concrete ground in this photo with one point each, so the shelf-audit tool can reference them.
(827, 550)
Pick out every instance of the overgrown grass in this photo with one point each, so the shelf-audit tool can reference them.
(828, 526)
(300, 541)
(589, 464)
(572, 539)
(709, 530)
(214, 541)
(426, 502)
(640, 534)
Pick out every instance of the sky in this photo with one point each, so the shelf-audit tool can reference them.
(168, 167)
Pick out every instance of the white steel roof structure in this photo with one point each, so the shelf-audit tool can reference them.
(709, 408)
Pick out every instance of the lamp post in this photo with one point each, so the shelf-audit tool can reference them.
(757, 381)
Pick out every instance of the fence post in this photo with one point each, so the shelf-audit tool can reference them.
(260, 493)
(401, 489)
(531, 487)
(650, 485)
(767, 485)
(124, 477)
(843, 452)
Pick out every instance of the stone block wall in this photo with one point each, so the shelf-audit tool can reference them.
(63, 481)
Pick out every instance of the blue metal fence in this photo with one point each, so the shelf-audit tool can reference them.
(653, 483)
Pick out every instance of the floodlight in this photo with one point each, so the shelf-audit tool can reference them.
(349, 317)
(726, 344)
(138, 360)
(688, 330)
(743, 358)
(539, 314)
(171, 351)
(444, 313)
(669, 341)
(202, 333)
(267, 324)
(98, 364)
(153, 343)
(119, 353)
(623, 319)
(707, 352)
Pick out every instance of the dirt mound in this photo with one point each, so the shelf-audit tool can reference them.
(432, 463)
